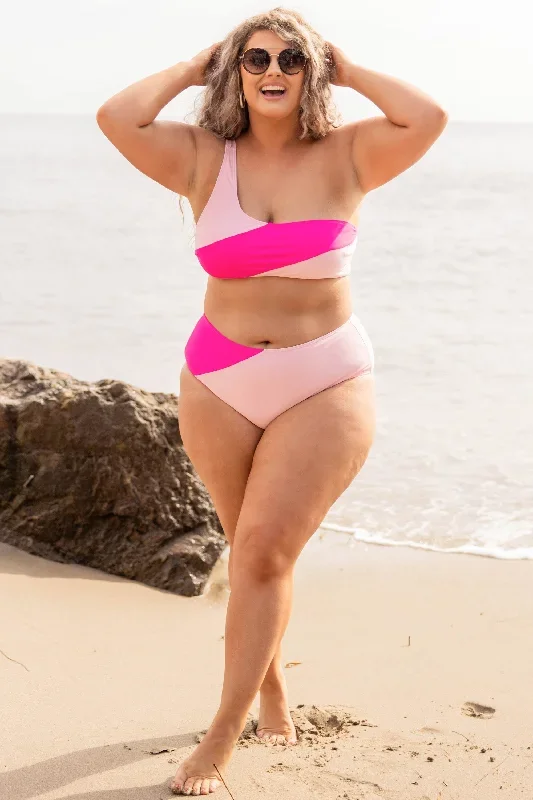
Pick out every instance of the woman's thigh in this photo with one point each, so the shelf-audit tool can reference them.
(220, 444)
(304, 461)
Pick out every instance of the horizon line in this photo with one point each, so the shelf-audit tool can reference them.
(179, 119)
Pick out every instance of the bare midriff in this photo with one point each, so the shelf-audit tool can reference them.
(275, 311)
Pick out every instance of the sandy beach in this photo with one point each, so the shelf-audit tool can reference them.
(106, 684)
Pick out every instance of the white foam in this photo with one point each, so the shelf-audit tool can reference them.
(360, 535)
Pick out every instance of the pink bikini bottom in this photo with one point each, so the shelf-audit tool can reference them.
(263, 382)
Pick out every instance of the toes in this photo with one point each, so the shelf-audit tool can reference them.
(271, 738)
(264, 736)
(194, 786)
(176, 784)
(275, 738)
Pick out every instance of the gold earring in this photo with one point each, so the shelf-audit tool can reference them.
(241, 99)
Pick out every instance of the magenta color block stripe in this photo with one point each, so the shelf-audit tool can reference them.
(208, 350)
(274, 245)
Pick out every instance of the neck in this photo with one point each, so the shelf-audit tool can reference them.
(273, 135)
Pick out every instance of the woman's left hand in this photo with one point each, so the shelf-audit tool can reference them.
(340, 66)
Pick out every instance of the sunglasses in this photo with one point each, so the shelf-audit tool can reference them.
(257, 60)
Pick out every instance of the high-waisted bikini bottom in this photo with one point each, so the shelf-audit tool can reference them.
(263, 382)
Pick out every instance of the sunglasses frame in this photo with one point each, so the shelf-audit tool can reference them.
(264, 50)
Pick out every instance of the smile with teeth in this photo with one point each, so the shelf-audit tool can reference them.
(272, 90)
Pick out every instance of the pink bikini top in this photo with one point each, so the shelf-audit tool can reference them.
(231, 244)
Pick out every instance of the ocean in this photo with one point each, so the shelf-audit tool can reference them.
(99, 279)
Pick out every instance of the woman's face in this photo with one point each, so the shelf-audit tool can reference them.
(275, 107)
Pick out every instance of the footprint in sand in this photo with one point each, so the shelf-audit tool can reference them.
(313, 724)
(477, 710)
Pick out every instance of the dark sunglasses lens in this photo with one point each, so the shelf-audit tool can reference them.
(291, 61)
(256, 60)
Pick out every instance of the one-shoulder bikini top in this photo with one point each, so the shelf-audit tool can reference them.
(231, 244)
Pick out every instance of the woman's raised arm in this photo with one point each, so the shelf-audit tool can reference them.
(383, 147)
(163, 150)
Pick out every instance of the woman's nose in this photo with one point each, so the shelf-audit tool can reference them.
(273, 68)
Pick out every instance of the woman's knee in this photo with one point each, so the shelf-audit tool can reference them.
(262, 552)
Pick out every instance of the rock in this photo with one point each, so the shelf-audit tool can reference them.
(96, 474)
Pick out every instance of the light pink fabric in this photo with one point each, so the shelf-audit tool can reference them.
(275, 379)
(334, 263)
(231, 244)
(222, 215)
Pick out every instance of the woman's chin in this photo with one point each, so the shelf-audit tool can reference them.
(276, 110)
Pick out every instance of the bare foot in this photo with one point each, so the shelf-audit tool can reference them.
(275, 724)
(197, 775)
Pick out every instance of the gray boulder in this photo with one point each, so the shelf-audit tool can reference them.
(96, 474)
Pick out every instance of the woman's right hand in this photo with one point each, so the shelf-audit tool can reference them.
(165, 150)
(200, 62)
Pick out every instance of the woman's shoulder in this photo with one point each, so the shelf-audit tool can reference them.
(209, 155)
(337, 143)
(209, 149)
(341, 133)
(207, 141)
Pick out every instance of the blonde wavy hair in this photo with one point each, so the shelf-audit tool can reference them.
(220, 111)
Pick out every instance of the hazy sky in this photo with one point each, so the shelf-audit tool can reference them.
(69, 56)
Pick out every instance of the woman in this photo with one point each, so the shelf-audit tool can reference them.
(276, 403)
